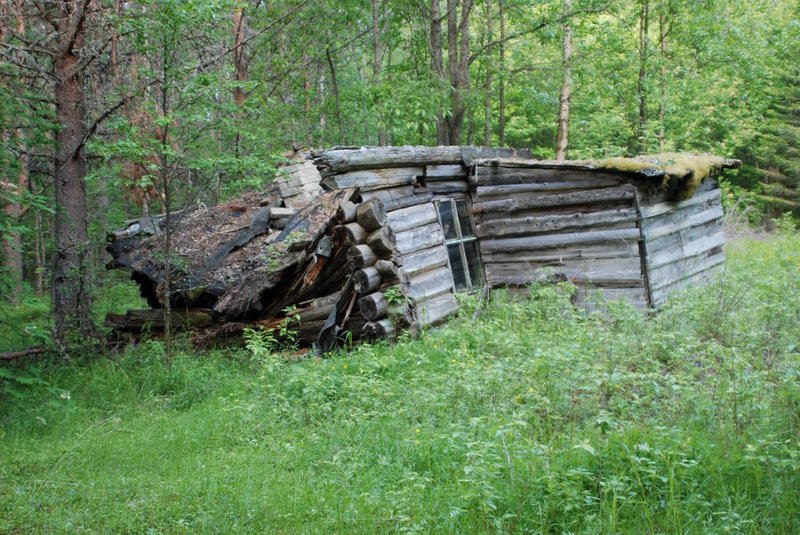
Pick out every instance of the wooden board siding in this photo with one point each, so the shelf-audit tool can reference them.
(539, 224)
(683, 241)
(422, 266)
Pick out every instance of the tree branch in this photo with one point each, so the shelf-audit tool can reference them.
(265, 29)
(46, 16)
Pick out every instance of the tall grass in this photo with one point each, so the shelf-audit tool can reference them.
(533, 419)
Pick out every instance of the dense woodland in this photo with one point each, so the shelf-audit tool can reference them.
(111, 109)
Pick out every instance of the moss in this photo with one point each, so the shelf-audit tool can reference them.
(682, 172)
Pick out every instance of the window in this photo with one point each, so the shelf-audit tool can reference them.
(462, 245)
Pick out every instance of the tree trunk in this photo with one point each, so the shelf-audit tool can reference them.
(641, 87)
(72, 289)
(501, 89)
(240, 67)
(12, 242)
(487, 99)
(377, 60)
(562, 141)
(437, 65)
(457, 66)
(662, 74)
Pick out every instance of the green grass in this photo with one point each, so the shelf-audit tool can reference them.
(533, 419)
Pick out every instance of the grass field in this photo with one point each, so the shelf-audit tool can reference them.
(533, 419)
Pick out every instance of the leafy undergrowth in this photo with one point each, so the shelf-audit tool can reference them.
(532, 419)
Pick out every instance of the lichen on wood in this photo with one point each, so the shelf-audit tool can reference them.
(682, 173)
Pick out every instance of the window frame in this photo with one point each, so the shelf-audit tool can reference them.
(460, 240)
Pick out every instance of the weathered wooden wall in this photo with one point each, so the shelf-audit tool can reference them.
(558, 223)
(683, 241)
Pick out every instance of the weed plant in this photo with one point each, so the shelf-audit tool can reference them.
(534, 419)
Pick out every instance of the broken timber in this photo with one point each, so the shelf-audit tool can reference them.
(379, 251)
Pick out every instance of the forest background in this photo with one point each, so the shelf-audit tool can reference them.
(110, 109)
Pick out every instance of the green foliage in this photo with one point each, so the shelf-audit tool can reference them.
(534, 418)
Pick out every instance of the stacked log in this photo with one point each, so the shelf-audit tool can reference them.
(425, 277)
(561, 223)
(370, 246)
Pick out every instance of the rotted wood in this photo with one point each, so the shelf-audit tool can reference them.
(150, 318)
(350, 234)
(372, 178)
(387, 270)
(371, 214)
(361, 256)
(16, 355)
(332, 328)
(412, 217)
(517, 203)
(366, 280)
(316, 309)
(382, 242)
(374, 306)
(346, 213)
(379, 330)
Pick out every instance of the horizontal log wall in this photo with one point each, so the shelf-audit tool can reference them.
(683, 241)
(538, 224)
(421, 255)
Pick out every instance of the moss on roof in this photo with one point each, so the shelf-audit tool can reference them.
(682, 172)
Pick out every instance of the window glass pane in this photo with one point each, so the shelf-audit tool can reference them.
(465, 218)
(457, 266)
(473, 262)
(448, 220)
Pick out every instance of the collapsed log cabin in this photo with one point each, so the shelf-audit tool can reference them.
(365, 242)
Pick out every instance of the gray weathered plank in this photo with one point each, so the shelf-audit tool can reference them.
(412, 217)
(622, 194)
(446, 187)
(578, 252)
(419, 238)
(436, 172)
(555, 240)
(669, 207)
(697, 246)
(661, 295)
(429, 284)
(669, 274)
(434, 311)
(373, 178)
(681, 222)
(528, 225)
(488, 192)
